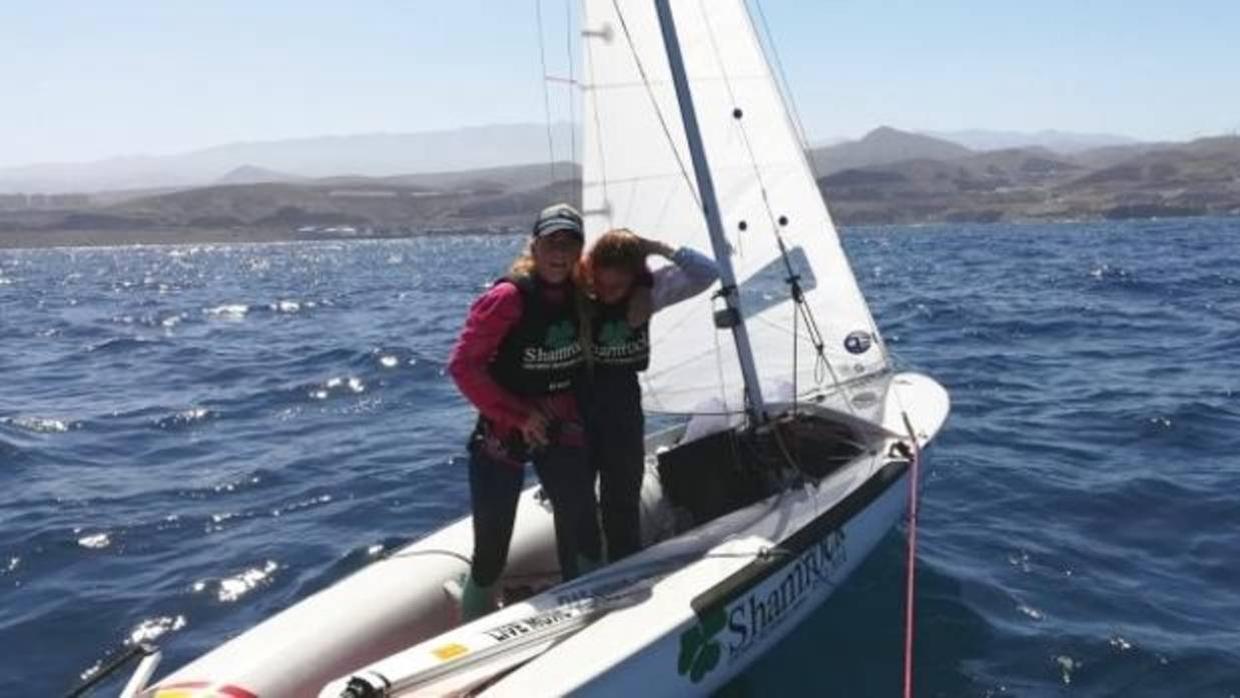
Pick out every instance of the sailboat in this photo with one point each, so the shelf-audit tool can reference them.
(789, 443)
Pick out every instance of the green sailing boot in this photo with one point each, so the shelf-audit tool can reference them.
(476, 601)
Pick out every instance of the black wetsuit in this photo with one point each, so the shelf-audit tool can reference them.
(611, 404)
(539, 357)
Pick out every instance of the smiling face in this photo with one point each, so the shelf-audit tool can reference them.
(612, 284)
(555, 255)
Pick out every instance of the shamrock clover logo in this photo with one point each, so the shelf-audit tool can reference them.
(614, 333)
(560, 335)
(699, 651)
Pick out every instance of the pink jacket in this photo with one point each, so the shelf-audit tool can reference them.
(490, 319)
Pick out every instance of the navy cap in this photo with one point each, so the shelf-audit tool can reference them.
(556, 218)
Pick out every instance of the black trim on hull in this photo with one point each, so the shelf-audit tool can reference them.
(740, 582)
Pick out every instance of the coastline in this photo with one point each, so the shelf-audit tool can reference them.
(49, 239)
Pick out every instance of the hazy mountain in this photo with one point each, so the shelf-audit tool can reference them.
(977, 174)
(1057, 141)
(941, 182)
(465, 149)
(1021, 166)
(370, 155)
(510, 176)
(1201, 177)
(1109, 155)
(137, 172)
(1212, 163)
(881, 146)
(827, 142)
(503, 196)
(249, 174)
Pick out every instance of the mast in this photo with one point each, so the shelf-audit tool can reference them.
(732, 317)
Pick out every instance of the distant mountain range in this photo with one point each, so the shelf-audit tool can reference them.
(931, 182)
(373, 155)
(888, 176)
(382, 155)
(250, 174)
(1062, 142)
(882, 146)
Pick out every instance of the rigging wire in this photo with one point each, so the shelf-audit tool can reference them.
(793, 279)
(785, 86)
(572, 81)
(823, 364)
(587, 51)
(680, 163)
(542, 57)
(785, 89)
(667, 132)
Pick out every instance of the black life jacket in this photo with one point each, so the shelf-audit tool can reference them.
(542, 353)
(614, 344)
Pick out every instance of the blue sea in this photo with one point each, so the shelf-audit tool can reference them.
(194, 437)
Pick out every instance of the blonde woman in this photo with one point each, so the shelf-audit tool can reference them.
(516, 360)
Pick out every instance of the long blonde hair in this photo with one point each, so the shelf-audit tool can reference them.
(523, 265)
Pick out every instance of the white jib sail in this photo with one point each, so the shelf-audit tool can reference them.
(636, 173)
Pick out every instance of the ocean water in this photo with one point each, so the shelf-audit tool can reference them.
(194, 437)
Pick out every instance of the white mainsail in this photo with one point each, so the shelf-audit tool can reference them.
(637, 174)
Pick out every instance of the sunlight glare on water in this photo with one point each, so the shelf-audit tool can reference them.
(192, 438)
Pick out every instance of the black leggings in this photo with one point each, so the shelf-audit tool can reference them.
(494, 490)
(615, 430)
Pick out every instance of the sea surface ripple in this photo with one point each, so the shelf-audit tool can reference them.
(194, 437)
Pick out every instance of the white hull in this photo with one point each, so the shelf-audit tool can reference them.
(755, 620)
(738, 584)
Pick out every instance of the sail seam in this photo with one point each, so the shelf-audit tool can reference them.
(785, 86)
(542, 57)
(572, 81)
(667, 133)
(598, 127)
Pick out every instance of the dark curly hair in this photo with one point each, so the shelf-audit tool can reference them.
(616, 249)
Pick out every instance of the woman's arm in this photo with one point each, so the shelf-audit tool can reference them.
(490, 319)
(690, 273)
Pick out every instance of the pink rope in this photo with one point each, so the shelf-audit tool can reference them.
(911, 563)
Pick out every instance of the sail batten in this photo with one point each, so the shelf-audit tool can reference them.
(634, 176)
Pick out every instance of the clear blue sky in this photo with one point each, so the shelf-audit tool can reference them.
(84, 80)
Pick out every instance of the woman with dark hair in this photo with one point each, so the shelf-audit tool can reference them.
(623, 294)
(516, 361)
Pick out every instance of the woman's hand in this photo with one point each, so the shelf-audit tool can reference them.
(534, 429)
(650, 247)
